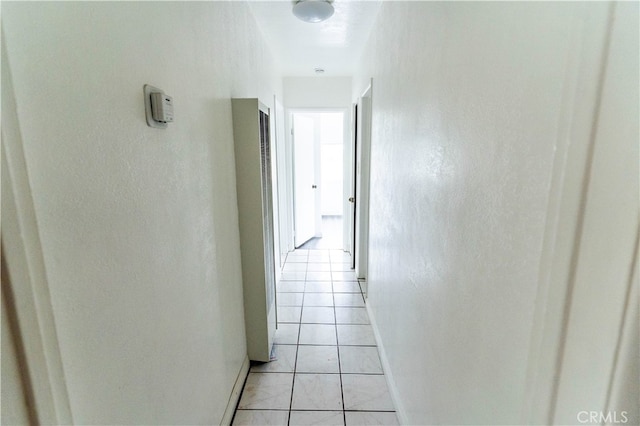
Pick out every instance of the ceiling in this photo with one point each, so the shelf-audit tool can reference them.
(334, 45)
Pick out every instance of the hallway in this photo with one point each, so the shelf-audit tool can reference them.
(489, 158)
(327, 369)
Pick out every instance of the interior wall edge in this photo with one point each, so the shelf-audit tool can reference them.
(401, 413)
(22, 251)
(571, 162)
(236, 393)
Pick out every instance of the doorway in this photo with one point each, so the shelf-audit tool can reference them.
(318, 176)
(362, 155)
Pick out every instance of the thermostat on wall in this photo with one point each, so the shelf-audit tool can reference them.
(158, 107)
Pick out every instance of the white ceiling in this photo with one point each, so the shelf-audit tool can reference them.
(334, 45)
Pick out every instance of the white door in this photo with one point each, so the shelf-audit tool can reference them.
(304, 178)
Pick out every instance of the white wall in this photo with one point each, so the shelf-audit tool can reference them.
(332, 179)
(317, 92)
(331, 163)
(470, 101)
(138, 226)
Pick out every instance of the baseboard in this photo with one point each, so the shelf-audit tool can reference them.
(391, 383)
(235, 393)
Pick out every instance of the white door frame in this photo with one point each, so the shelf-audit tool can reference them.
(23, 258)
(280, 160)
(363, 176)
(350, 186)
(290, 156)
(575, 305)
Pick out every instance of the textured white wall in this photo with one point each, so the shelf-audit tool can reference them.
(317, 92)
(138, 225)
(468, 106)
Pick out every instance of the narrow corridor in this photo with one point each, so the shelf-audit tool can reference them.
(327, 369)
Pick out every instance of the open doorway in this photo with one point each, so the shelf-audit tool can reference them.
(318, 146)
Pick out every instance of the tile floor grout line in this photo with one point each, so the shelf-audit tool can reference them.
(295, 364)
(335, 318)
(344, 416)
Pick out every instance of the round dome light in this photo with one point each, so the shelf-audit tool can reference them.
(313, 10)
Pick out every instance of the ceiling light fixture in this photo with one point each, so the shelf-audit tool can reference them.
(313, 10)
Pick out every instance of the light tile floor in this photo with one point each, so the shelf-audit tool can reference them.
(328, 370)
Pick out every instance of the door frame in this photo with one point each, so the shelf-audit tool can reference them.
(26, 284)
(362, 165)
(346, 116)
(281, 184)
(577, 212)
(350, 230)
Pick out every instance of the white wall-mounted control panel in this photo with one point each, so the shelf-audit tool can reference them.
(158, 107)
(162, 107)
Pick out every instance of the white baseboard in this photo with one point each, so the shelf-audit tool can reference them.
(391, 383)
(235, 393)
